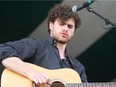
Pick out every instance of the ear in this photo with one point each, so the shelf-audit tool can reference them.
(50, 25)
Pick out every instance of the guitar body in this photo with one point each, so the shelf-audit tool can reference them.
(63, 76)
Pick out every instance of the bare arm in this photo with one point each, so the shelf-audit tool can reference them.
(17, 65)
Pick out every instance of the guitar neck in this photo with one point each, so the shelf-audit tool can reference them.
(108, 84)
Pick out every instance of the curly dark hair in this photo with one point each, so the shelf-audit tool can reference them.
(63, 12)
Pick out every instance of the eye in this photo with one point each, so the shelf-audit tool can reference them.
(70, 26)
(62, 24)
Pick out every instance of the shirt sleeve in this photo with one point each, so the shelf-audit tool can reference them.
(24, 48)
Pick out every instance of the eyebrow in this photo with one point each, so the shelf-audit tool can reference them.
(63, 22)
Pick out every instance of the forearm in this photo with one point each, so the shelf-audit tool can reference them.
(17, 65)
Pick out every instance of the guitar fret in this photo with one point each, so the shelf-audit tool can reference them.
(99, 85)
(109, 84)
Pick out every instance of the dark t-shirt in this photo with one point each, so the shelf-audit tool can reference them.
(42, 52)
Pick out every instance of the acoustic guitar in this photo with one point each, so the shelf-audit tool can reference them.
(58, 78)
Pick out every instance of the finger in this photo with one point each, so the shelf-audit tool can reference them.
(38, 80)
(42, 80)
(34, 84)
(47, 78)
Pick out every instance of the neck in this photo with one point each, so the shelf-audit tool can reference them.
(61, 48)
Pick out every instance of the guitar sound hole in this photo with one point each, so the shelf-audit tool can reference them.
(57, 84)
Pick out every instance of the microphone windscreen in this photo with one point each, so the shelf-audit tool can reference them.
(74, 9)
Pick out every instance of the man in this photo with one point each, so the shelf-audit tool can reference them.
(50, 53)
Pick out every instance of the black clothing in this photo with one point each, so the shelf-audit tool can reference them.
(41, 52)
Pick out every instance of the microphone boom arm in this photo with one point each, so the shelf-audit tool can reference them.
(107, 21)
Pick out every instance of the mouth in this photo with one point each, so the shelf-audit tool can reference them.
(64, 34)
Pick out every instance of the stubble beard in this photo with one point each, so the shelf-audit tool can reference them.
(62, 40)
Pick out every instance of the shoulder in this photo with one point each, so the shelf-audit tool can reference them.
(32, 40)
(77, 63)
(37, 40)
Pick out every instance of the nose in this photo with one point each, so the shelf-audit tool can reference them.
(65, 27)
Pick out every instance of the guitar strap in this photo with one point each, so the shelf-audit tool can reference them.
(70, 61)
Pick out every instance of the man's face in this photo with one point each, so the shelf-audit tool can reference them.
(62, 32)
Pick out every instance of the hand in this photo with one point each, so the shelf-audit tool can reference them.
(39, 78)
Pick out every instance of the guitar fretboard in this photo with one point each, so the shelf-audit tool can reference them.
(109, 84)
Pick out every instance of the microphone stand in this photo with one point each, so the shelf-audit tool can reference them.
(107, 21)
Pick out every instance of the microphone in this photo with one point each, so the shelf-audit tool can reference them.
(76, 9)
